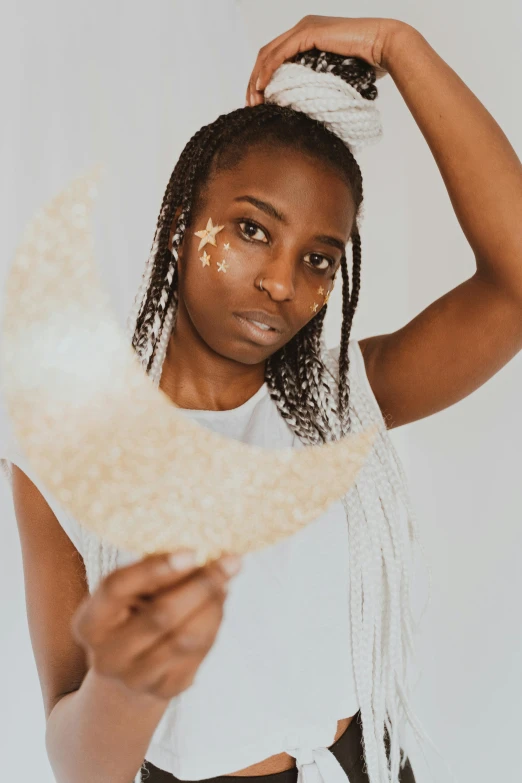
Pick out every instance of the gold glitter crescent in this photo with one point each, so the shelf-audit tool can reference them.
(112, 447)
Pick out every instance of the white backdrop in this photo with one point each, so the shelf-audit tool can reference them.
(128, 84)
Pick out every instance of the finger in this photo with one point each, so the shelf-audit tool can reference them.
(176, 658)
(265, 49)
(295, 43)
(263, 52)
(164, 615)
(172, 608)
(123, 587)
(111, 603)
(380, 73)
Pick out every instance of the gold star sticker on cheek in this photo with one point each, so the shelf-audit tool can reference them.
(226, 246)
(208, 234)
(205, 259)
(314, 307)
(326, 297)
(222, 267)
(320, 290)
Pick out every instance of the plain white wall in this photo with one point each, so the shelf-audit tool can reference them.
(128, 83)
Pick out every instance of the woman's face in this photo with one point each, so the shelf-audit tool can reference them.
(286, 218)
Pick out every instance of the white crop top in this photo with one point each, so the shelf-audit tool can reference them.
(279, 674)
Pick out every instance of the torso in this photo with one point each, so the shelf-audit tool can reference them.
(282, 761)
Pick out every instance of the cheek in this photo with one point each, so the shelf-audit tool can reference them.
(213, 291)
(226, 272)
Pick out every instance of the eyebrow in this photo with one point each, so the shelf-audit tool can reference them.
(332, 241)
(264, 206)
(269, 209)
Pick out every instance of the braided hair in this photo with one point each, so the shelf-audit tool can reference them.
(299, 379)
(296, 368)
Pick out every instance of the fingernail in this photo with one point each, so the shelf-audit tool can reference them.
(181, 560)
(230, 564)
(258, 84)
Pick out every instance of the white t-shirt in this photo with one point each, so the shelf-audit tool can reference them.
(279, 675)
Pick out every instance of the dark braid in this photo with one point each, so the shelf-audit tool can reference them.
(295, 374)
(351, 69)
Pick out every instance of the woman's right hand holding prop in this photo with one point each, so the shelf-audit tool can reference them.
(149, 625)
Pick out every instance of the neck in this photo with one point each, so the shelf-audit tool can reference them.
(197, 378)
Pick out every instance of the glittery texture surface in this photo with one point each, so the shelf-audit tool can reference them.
(114, 449)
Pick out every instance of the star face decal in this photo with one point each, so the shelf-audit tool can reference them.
(205, 259)
(226, 246)
(320, 290)
(314, 307)
(208, 234)
(326, 297)
(222, 267)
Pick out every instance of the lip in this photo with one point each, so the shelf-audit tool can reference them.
(263, 317)
(259, 335)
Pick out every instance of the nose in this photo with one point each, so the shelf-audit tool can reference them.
(279, 277)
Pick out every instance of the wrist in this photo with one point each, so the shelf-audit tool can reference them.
(400, 39)
(111, 687)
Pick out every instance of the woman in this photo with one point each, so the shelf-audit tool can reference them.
(275, 682)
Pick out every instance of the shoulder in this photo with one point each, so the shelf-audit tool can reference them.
(14, 463)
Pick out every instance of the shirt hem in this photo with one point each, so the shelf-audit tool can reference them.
(243, 757)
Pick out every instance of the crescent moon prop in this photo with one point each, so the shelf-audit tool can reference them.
(112, 447)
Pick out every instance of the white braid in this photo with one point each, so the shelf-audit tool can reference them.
(142, 290)
(327, 98)
(382, 542)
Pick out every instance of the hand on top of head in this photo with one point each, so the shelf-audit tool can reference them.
(326, 67)
(367, 39)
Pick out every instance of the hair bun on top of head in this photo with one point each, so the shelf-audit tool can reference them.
(335, 90)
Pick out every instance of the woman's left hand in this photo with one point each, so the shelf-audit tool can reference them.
(366, 38)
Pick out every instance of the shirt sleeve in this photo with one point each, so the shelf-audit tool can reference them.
(358, 369)
(11, 453)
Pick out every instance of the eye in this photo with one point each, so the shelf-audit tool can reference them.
(329, 262)
(252, 230)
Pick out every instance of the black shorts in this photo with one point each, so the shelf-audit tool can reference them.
(348, 750)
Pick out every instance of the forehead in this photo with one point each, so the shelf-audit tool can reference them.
(305, 189)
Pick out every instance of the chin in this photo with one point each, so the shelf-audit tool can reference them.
(248, 354)
(241, 351)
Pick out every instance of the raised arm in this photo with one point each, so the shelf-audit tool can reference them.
(466, 336)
